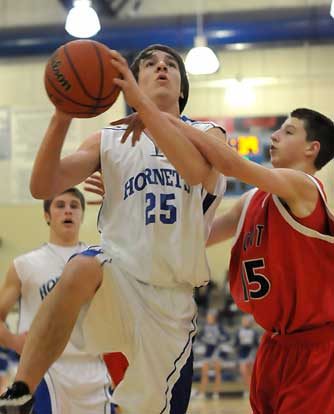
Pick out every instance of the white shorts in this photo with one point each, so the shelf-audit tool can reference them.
(154, 327)
(75, 385)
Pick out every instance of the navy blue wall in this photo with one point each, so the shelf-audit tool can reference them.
(312, 25)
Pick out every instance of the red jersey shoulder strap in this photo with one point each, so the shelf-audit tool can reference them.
(298, 226)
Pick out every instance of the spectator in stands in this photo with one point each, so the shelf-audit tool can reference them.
(246, 343)
(212, 336)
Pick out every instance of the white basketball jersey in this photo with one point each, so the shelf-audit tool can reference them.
(39, 271)
(152, 223)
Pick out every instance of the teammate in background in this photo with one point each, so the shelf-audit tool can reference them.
(281, 267)
(246, 344)
(135, 292)
(77, 383)
(212, 337)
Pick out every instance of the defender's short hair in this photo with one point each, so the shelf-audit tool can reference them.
(318, 128)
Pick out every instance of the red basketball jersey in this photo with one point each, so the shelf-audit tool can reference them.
(282, 271)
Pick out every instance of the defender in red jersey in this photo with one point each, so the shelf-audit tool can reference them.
(281, 267)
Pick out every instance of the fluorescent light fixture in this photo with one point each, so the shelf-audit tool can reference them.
(201, 60)
(82, 20)
(240, 94)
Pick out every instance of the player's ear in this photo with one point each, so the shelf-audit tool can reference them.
(312, 148)
(47, 218)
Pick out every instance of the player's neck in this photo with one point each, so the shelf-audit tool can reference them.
(170, 108)
(64, 241)
(307, 169)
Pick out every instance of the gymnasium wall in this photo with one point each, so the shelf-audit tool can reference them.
(291, 77)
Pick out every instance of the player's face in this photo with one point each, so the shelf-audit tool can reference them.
(288, 144)
(65, 216)
(159, 77)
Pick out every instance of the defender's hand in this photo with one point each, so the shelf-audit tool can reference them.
(94, 184)
(134, 125)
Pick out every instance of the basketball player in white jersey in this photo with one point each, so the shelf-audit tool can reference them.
(134, 293)
(77, 383)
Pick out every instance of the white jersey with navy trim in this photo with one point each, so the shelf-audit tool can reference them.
(39, 271)
(78, 382)
(152, 223)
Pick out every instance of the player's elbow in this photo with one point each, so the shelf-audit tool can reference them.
(38, 192)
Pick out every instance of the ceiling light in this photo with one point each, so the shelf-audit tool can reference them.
(201, 60)
(82, 20)
(332, 9)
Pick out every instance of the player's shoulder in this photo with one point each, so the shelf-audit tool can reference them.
(203, 125)
(33, 254)
(112, 134)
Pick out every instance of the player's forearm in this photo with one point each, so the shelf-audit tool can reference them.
(220, 232)
(185, 157)
(220, 155)
(46, 169)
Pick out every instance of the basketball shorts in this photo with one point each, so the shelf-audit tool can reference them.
(3, 362)
(293, 374)
(153, 327)
(75, 385)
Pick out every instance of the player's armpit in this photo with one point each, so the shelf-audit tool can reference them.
(295, 188)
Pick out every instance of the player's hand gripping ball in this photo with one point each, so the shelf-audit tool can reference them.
(79, 78)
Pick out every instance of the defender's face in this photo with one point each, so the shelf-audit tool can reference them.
(159, 76)
(288, 144)
(65, 215)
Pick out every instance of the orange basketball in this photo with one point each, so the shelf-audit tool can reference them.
(79, 78)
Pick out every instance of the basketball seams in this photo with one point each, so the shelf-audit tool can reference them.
(101, 68)
(59, 92)
(76, 74)
(69, 79)
(99, 58)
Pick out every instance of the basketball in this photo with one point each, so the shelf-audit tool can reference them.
(79, 78)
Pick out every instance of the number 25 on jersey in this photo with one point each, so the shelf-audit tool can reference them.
(160, 208)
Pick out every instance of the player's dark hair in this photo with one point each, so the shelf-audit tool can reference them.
(318, 128)
(77, 193)
(147, 52)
